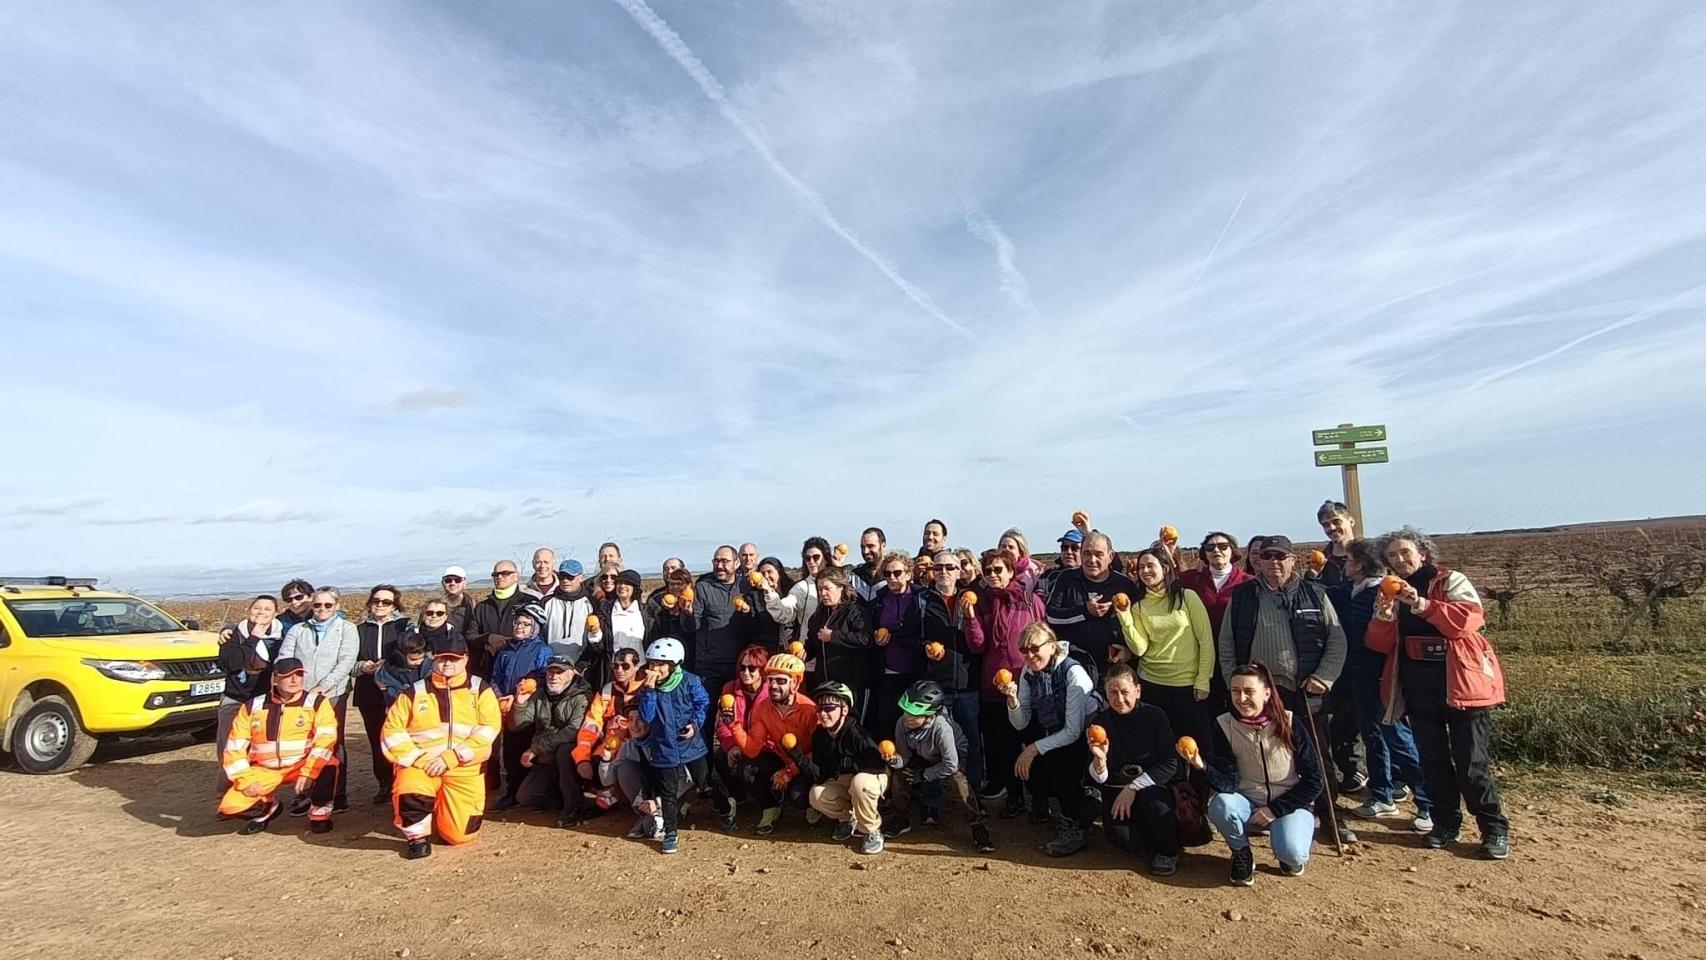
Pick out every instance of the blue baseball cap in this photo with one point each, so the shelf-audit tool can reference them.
(570, 568)
(1071, 536)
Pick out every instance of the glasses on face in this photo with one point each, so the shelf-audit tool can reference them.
(814, 558)
(623, 665)
(436, 613)
(607, 577)
(830, 706)
(382, 602)
(325, 606)
(947, 566)
(996, 571)
(296, 598)
(1217, 545)
(452, 580)
(751, 668)
(894, 574)
(1034, 647)
(1272, 555)
(499, 574)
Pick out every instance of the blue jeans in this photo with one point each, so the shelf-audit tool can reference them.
(1291, 834)
(965, 710)
(1388, 746)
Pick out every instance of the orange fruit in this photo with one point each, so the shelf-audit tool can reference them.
(1080, 518)
(755, 578)
(1317, 561)
(881, 636)
(527, 685)
(789, 741)
(728, 701)
(934, 650)
(1122, 602)
(592, 621)
(741, 605)
(669, 601)
(886, 748)
(1169, 534)
(1187, 747)
(969, 598)
(687, 593)
(1098, 736)
(1003, 677)
(841, 549)
(798, 649)
(1391, 586)
(612, 743)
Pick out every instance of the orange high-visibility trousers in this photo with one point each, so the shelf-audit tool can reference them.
(236, 803)
(451, 805)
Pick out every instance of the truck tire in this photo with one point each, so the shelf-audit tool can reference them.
(49, 738)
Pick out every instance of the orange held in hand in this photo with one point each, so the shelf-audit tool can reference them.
(841, 550)
(1169, 534)
(881, 636)
(1003, 677)
(728, 701)
(1098, 736)
(592, 621)
(741, 605)
(612, 743)
(755, 578)
(1187, 747)
(669, 601)
(886, 748)
(527, 685)
(1317, 561)
(1080, 518)
(1122, 602)
(934, 650)
(687, 593)
(969, 598)
(789, 741)
(1390, 587)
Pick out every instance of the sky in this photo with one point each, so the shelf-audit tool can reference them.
(354, 291)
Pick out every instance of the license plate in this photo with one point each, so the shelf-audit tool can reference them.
(206, 687)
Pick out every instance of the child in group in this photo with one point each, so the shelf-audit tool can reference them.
(846, 767)
(1133, 761)
(672, 703)
(929, 747)
(405, 665)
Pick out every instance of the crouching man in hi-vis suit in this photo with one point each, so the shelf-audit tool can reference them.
(439, 734)
(283, 736)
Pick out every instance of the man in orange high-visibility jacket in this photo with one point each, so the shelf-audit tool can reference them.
(439, 734)
(283, 736)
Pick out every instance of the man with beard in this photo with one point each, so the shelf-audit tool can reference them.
(555, 715)
(867, 578)
(455, 586)
(1081, 602)
(785, 715)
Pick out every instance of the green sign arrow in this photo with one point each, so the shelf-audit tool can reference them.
(1342, 458)
(1337, 435)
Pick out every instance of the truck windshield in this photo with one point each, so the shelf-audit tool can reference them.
(87, 617)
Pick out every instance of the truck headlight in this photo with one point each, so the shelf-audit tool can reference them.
(134, 671)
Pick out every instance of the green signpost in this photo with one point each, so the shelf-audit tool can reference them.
(1346, 436)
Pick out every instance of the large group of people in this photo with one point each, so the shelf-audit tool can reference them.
(1156, 692)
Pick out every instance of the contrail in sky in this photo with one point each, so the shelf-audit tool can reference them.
(678, 50)
(1212, 250)
(1630, 320)
(1013, 283)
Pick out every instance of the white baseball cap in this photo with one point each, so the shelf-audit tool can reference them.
(455, 571)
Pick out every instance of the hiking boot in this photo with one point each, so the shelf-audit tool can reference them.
(1495, 846)
(1068, 839)
(383, 796)
(1244, 868)
(981, 839)
(1372, 809)
(259, 823)
(417, 850)
(1439, 838)
(1014, 807)
(1291, 869)
(843, 832)
(873, 843)
(1355, 783)
(932, 817)
(814, 816)
(505, 802)
(1423, 822)
(670, 845)
(728, 817)
(1040, 815)
(1162, 865)
(767, 822)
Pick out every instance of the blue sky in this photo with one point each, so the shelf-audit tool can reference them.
(358, 290)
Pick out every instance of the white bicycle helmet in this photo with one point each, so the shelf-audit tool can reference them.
(667, 649)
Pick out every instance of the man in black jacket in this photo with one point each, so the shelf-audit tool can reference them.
(1081, 602)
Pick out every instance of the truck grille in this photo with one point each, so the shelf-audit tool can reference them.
(190, 669)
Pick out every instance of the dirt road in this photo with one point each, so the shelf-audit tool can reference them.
(124, 858)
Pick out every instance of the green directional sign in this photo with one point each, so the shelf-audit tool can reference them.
(1345, 458)
(1336, 435)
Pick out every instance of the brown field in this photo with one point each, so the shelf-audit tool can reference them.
(124, 857)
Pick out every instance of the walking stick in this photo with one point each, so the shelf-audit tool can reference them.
(1326, 781)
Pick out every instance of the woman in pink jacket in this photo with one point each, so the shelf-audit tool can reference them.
(1444, 675)
(1004, 609)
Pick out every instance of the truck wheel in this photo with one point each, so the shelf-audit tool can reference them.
(48, 738)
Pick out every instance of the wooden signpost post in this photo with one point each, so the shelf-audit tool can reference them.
(1345, 437)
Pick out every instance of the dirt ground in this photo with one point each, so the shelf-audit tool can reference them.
(124, 858)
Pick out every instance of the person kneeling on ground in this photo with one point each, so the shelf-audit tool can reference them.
(1134, 768)
(929, 749)
(285, 736)
(783, 711)
(847, 768)
(439, 786)
(1265, 774)
(555, 715)
(672, 703)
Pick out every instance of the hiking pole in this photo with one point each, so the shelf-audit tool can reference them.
(1326, 781)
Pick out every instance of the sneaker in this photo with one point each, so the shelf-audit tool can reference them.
(1372, 809)
(657, 829)
(1068, 839)
(981, 839)
(383, 796)
(1355, 783)
(843, 832)
(642, 828)
(1423, 822)
(320, 826)
(873, 842)
(505, 802)
(899, 826)
(259, 824)
(992, 794)
(1401, 793)
(299, 807)
(728, 818)
(1014, 807)
(1291, 869)
(932, 817)
(417, 850)
(1040, 817)
(814, 816)
(669, 844)
(1495, 846)
(1161, 865)
(1438, 839)
(767, 822)
(1244, 868)
(340, 805)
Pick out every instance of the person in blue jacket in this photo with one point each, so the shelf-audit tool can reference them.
(523, 656)
(673, 703)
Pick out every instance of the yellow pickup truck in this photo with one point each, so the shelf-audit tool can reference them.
(78, 664)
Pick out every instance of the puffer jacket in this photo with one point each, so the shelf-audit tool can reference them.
(518, 660)
(667, 713)
(1473, 676)
(556, 720)
(328, 659)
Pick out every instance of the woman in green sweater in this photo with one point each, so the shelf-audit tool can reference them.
(1168, 634)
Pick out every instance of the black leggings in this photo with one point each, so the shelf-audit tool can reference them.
(666, 781)
(1149, 828)
(1001, 745)
(797, 793)
(1058, 773)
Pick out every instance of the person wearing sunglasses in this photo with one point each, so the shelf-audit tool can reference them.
(567, 607)
(1071, 544)
(454, 584)
(734, 702)
(438, 735)
(1287, 623)
(1220, 571)
(380, 632)
(606, 719)
(327, 645)
(1048, 705)
(895, 624)
(297, 597)
(1081, 602)
(795, 607)
(998, 620)
(494, 617)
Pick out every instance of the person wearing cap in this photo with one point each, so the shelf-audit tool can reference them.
(545, 574)
(1071, 550)
(1081, 601)
(673, 704)
(454, 583)
(1285, 622)
(566, 611)
(327, 646)
(846, 769)
(245, 650)
(783, 711)
(522, 658)
(493, 618)
(554, 713)
(283, 736)
(929, 747)
(438, 734)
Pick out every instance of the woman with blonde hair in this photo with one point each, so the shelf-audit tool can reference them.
(1017, 550)
(1048, 704)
